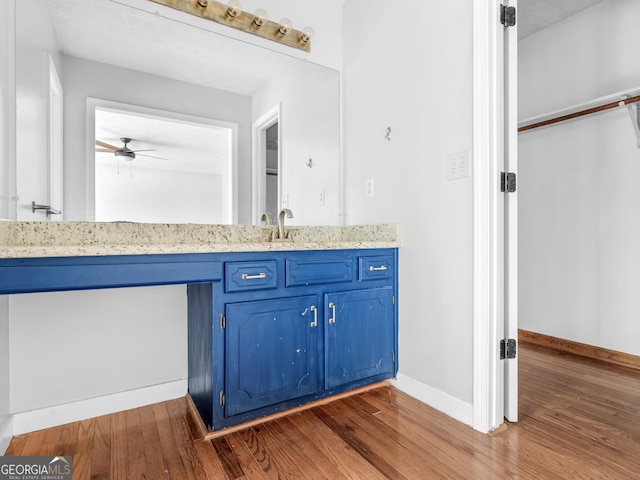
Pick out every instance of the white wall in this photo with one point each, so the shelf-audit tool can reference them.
(415, 76)
(309, 129)
(578, 218)
(72, 346)
(155, 195)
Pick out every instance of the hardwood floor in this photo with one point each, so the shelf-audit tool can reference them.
(579, 419)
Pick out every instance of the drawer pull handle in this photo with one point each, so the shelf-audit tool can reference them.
(253, 277)
(333, 313)
(381, 268)
(315, 316)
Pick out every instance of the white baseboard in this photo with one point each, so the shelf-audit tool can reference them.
(6, 432)
(448, 404)
(33, 420)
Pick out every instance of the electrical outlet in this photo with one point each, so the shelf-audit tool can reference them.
(285, 200)
(368, 188)
(321, 197)
(458, 165)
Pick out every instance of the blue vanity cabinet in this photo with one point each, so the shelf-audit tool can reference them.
(271, 352)
(267, 331)
(285, 328)
(359, 335)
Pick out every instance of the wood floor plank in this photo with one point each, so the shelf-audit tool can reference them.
(250, 465)
(83, 449)
(118, 466)
(101, 448)
(262, 456)
(280, 452)
(170, 453)
(17, 445)
(301, 435)
(334, 448)
(155, 464)
(210, 461)
(136, 455)
(347, 431)
(230, 462)
(579, 419)
(183, 439)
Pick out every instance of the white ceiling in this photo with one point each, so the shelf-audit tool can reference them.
(535, 15)
(151, 38)
(184, 146)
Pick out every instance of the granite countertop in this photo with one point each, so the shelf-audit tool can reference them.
(70, 239)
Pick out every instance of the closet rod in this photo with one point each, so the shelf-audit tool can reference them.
(581, 113)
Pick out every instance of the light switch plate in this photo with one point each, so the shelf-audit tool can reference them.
(458, 165)
(368, 187)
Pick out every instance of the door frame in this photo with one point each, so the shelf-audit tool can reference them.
(489, 385)
(55, 132)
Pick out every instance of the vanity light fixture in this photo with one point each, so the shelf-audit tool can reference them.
(257, 23)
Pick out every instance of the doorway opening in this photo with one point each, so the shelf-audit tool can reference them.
(153, 166)
(267, 165)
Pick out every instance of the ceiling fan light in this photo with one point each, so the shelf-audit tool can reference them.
(129, 155)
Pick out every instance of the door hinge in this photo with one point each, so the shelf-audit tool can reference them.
(393, 299)
(222, 399)
(393, 357)
(507, 182)
(223, 321)
(507, 348)
(507, 16)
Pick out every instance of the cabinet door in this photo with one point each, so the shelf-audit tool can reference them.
(271, 352)
(360, 335)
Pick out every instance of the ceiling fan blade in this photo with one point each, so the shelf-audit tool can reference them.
(106, 145)
(104, 150)
(136, 151)
(151, 156)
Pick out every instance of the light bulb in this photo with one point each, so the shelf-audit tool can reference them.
(307, 34)
(234, 9)
(259, 17)
(284, 26)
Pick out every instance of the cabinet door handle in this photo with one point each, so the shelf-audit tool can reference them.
(315, 316)
(381, 268)
(333, 313)
(253, 277)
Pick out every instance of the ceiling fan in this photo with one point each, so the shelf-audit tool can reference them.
(123, 152)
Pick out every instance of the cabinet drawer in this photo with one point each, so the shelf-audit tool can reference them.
(301, 272)
(243, 276)
(373, 268)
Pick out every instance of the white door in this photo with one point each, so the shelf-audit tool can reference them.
(511, 216)
(38, 137)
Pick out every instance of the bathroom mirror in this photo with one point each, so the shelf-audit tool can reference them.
(127, 52)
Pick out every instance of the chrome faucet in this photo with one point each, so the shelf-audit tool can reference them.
(266, 217)
(283, 212)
